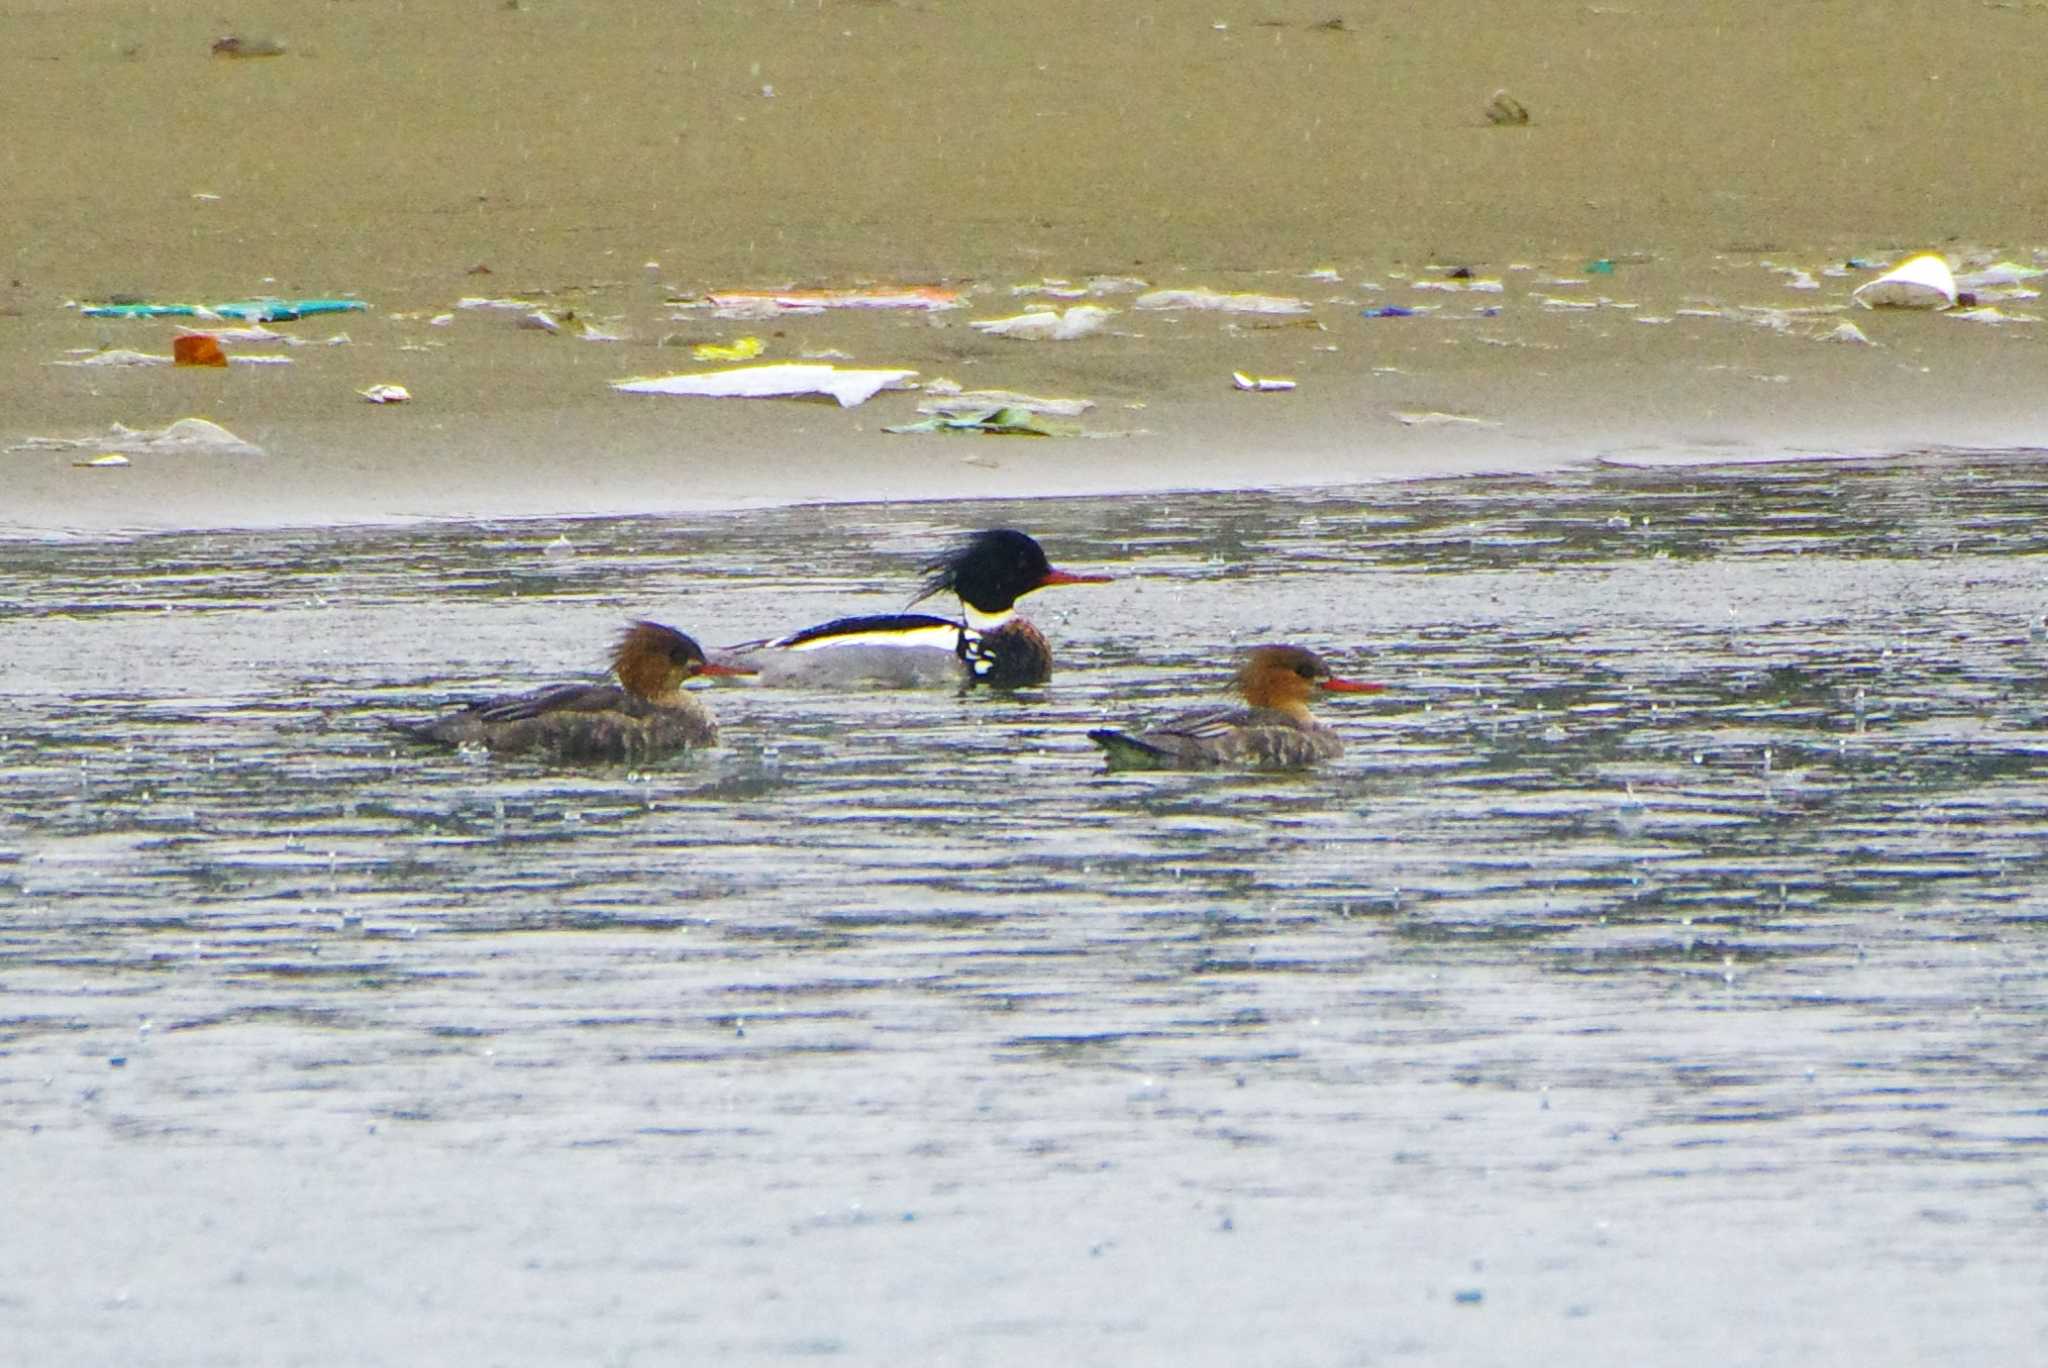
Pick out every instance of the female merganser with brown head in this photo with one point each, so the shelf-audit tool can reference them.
(1274, 730)
(644, 716)
(988, 644)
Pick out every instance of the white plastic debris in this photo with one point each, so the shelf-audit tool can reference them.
(1261, 384)
(1215, 300)
(1108, 285)
(254, 335)
(1848, 332)
(113, 356)
(1434, 418)
(782, 380)
(109, 461)
(187, 436)
(2002, 273)
(387, 394)
(1460, 285)
(948, 397)
(924, 297)
(1046, 325)
(1057, 289)
(1991, 313)
(123, 356)
(1921, 282)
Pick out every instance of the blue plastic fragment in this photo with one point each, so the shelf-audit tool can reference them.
(1389, 311)
(248, 310)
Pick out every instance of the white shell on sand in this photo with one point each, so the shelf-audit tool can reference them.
(1921, 282)
(782, 380)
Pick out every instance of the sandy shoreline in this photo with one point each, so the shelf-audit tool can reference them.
(609, 160)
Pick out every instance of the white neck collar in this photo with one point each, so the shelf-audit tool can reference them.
(987, 622)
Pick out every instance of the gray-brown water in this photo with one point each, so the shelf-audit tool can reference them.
(1661, 977)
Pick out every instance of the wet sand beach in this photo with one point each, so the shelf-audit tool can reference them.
(605, 160)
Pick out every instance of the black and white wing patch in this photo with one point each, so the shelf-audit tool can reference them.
(883, 629)
(976, 652)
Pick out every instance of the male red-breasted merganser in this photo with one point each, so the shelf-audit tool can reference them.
(645, 715)
(1274, 731)
(989, 644)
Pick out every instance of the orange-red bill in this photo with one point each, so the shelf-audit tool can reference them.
(1069, 577)
(1336, 685)
(714, 667)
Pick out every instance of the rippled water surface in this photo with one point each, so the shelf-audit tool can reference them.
(1661, 977)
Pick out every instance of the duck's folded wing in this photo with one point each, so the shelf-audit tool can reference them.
(1193, 740)
(557, 698)
(1208, 724)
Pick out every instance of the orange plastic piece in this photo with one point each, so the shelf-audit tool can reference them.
(198, 349)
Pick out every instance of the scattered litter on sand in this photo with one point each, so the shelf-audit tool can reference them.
(1109, 285)
(739, 349)
(1261, 384)
(570, 324)
(1217, 301)
(1006, 421)
(1505, 111)
(123, 356)
(782, 380)
(1057, 289)
(2001, 273)
(255, 335)
(113, 356)
(1047, 325)
(1097, 286)
(195, 436)
(248, 310)
(1433, 418)
(1921, 282)
(1796, 277)
(947, 397)
(234, 45)
(897, 297)
(1991, 313)
(1460, 284)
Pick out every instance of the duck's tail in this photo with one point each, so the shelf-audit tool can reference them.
(1124, 751)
